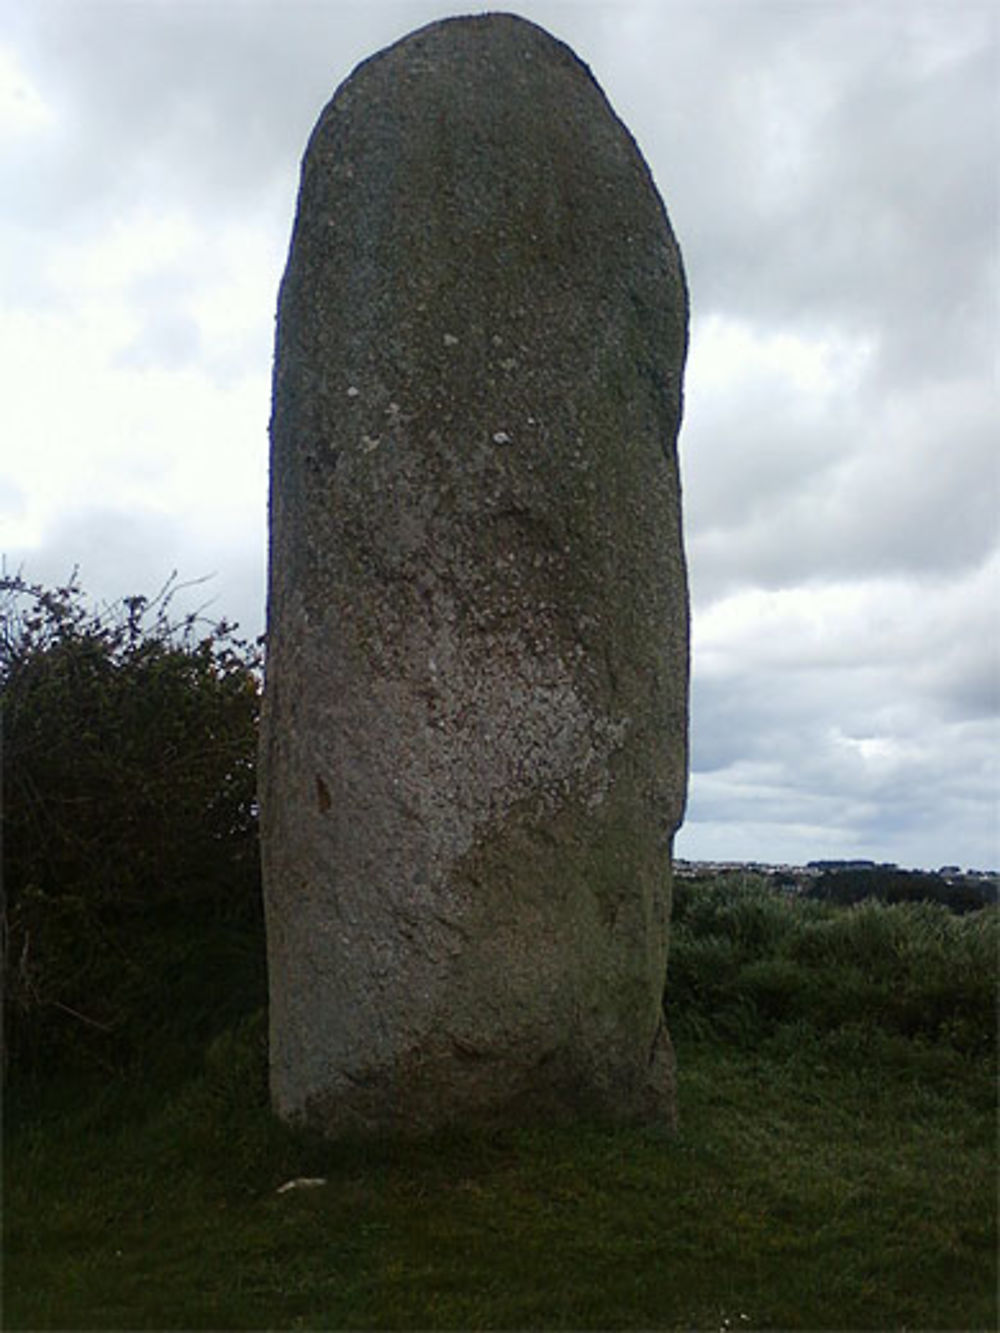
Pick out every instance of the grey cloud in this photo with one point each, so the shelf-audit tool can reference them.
(209, 103)
(168, 339)
(964, 676)
(12, 497)
(747, 456)
(120, 552)
(910, 488)
(877, 731)
(864, 647)
(807, 791)
(831, 176)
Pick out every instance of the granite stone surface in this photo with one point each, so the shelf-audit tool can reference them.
(474, 742)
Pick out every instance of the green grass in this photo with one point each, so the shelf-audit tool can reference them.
(831, 1172)
(808, 1188)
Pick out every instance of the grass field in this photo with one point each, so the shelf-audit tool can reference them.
(834, 1169)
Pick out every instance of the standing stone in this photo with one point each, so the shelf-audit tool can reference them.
(474, 747)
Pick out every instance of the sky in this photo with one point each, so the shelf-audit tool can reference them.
(830, 169)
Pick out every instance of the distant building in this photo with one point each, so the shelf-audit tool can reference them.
(844, 865)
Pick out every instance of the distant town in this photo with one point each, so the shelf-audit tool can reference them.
(802, 878)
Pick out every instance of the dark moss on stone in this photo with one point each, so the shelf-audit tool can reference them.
(474, 749)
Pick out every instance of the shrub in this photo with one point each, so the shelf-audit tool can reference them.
(129, 814)
(746, 960)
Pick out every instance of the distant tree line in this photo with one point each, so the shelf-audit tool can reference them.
(888, 884)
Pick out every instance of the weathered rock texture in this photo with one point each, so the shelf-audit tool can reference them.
(474, 741)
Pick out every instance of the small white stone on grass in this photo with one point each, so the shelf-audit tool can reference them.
(301, 1183)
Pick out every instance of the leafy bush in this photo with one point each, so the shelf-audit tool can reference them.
(130, 841)
(746, 960)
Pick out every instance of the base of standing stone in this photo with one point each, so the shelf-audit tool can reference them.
(488, 1093)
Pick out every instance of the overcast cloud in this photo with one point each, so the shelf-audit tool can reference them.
(831, 171)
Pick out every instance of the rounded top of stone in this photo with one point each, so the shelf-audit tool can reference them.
(497, 28)
(471, 186)
(467, 54)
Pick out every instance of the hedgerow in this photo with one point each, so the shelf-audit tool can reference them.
(130, 841)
